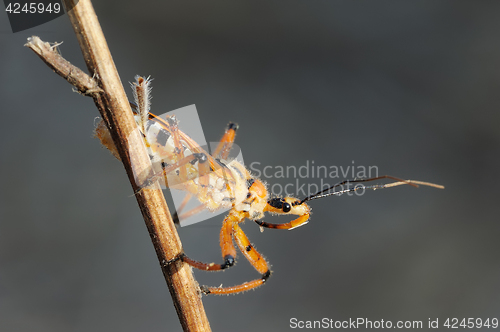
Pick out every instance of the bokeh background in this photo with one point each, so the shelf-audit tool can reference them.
(411, 87)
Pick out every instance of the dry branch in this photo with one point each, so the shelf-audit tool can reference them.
(75, 76)
(109, 96)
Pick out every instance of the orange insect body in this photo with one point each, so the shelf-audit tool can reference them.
(217, 184)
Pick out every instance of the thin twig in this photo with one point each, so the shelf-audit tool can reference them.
(83, 83)
(111, 100)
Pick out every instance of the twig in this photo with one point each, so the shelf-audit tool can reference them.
(83, 83)
(111, 100)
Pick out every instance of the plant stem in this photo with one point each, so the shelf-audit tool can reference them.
(109, 96)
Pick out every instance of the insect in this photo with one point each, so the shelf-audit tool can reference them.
(220, 183)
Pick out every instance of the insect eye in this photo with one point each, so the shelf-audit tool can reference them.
(286, 207)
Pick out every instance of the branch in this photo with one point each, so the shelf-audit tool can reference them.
(83, 83)
(110, 98)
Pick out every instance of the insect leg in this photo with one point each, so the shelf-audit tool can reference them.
(175, 216)
(201, 188)
(184, 202)
(226, 142)
(227, 248)
(302, 220)
(188, 214)
(167, 169)
(254, 257)
(203, 171)
(179, 150)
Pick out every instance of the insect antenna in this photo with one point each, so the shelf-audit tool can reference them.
(399, 182)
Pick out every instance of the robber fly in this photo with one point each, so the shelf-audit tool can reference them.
(218, 183)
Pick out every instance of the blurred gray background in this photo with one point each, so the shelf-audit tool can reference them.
(411, 87)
